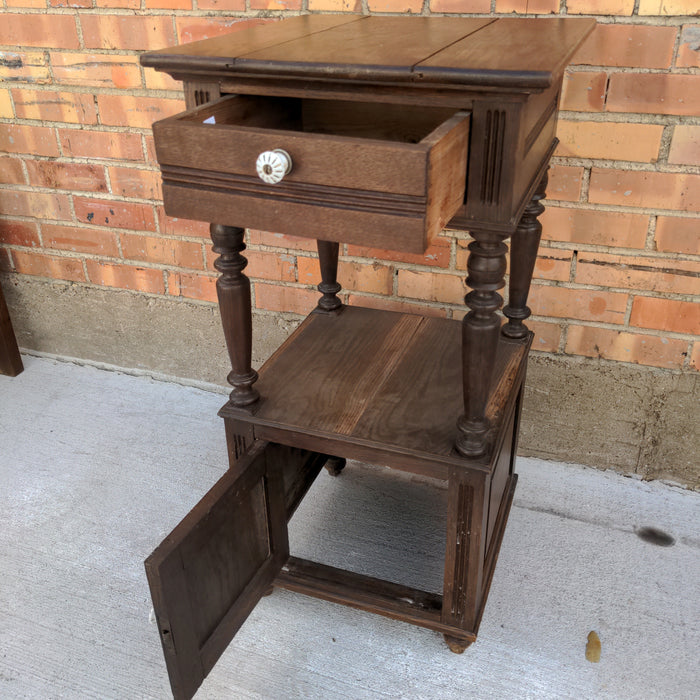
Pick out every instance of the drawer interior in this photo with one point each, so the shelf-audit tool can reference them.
(384, 122)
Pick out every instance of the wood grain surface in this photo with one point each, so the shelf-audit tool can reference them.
(376, 381)
(522, 53)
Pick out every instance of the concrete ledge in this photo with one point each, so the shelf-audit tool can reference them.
(633, 419)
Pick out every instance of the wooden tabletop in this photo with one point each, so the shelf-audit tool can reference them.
(520, 53)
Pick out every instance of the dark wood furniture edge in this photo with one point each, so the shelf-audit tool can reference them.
(179, 66)
(10, 358)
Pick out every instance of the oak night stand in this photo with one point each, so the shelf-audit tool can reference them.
(375, 131)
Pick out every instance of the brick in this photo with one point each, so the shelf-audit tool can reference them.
(80, 239)
(373, 278)
(5, 105)
(129, 215)
(36, 140)
(637, 272)
(274, 297)
(19, 233)
(267, 266)
(623, 346)
(645, 189)
(281, 240)
(695, 356)
(119, 4)
(182, 284)
(689, 47)
(53, 31)
(86, 177)
(670, 315)
(151, 156)
(685, 146)
(25, 66)
(407, 6)
(11, 172)
(275, 4)
(638, 46)
(677, 235)
(584, 91)
(134, 182)
(100, 144)
(54, 106)
(565, 183)
(669, 7)
(547, 335)
(222, 5)
(594, 227)
(654, 93)
(171, 226)
(52, 266)
(34, 4)
(130, 110)
(38, 205)
(460, 6)
(609, 140)
(600, 7)
(335, 5)
(70, 3)
(96, 70)
(532, 7)
(127, 32)
(432, 286)
(196, 28)
(403, 307)
(170, 5)
(156, 80)
(141, 279)
(553, 264)
(581, 304)
(164, 251)
(437, 254)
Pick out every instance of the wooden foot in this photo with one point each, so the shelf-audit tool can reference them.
(335, 465)
(480, 333)
(523, 254)
(233, 291)
(269, 591)
(456, 646)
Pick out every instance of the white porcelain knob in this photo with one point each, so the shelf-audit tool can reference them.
(272, 166)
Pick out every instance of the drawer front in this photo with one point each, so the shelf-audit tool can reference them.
(340, 186)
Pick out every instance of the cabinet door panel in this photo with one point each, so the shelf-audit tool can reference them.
(213, 568)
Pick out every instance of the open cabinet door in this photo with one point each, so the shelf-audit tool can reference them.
(213, 568)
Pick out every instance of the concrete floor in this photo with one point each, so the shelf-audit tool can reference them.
(96, 467)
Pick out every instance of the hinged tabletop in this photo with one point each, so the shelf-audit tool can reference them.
(524, 54)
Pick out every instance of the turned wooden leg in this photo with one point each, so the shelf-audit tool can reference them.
(480, 332)
(335, 465)
(523, 254)
(329, 287)
(233, 290)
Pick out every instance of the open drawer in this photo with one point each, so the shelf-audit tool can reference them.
(388, 176)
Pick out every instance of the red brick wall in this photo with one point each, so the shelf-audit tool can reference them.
(618, 271)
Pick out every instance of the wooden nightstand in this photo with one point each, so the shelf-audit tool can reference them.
(376, 131)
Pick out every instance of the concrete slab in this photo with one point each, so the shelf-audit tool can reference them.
(96, 467)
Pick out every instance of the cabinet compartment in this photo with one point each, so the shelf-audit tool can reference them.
(380, 175)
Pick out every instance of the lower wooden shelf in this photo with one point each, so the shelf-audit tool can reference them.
(377, 386)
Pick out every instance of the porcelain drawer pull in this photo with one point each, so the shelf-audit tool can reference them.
(272, 166)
